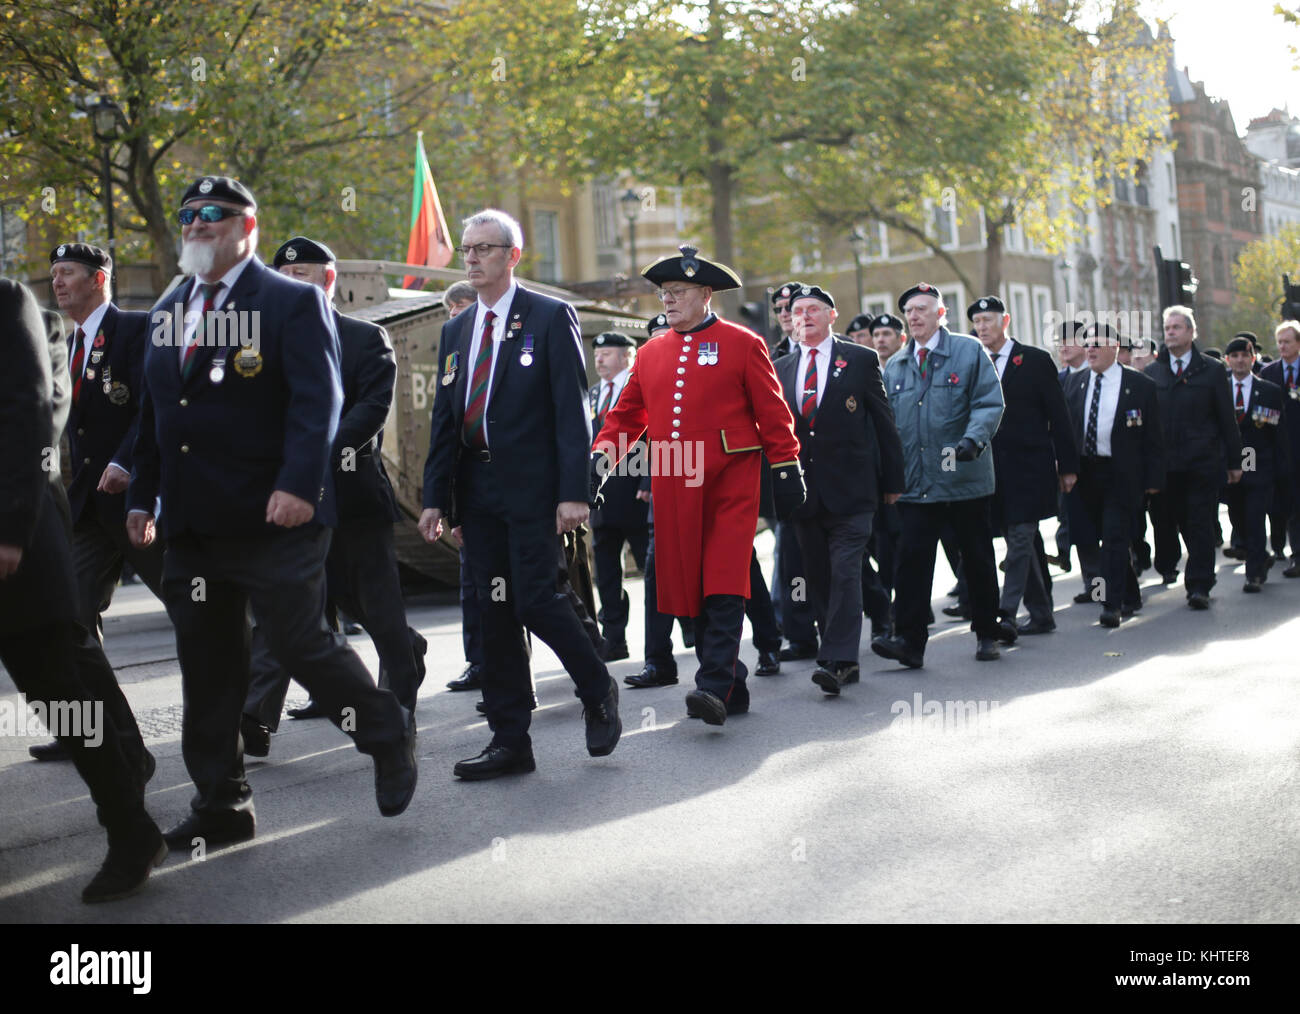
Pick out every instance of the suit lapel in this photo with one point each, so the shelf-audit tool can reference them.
(831, 380)
(245, 289)
(1008, 372)
(514, 334)
(788, 374)
(463, 345)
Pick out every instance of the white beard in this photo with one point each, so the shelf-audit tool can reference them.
(198, 258)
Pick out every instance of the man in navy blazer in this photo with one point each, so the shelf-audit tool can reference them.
(846, 435)
(241, 405)
(509, 452)
(1284, 517)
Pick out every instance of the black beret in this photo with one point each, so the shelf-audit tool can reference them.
(985, 304)
(1240, 344)
(1213, 353)
(1105, 331)
(1071, 330)
(1250, 336)
(301, 250)
(612, 340)
(688, 267)
(219, 188)
(922, 288)
(812, 292)
(889, 320)
(659, 322)
(83, 253)
(862, 322)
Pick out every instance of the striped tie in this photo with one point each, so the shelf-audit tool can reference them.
(210, 290)
(78, 362)
(478, 388)
(808, 409)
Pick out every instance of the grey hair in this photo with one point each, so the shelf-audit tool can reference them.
(1183, 311)
(459, 292)
(508, 227)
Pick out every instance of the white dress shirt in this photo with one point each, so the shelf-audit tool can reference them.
(194, 305)
(1111, 381)
(930, 345)
(89, 328)
(1002, 357)
(1185, 359)
(619, 381)
(1245, 386)
(823, 367)
(502, 310)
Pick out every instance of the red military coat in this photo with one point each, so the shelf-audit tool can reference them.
(709, 402)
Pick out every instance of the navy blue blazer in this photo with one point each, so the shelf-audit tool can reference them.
(1275, 373)
(1265, 443)
(217, 451)
(369, 370)
(538, 425)
(621, 508)
(102, 427)
(1137, 442)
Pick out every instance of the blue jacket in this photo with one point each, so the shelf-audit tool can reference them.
(959, 397)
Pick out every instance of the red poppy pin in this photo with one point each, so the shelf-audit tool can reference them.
(98, 343)
(953, 378)
(1017, 360)
(841, 363)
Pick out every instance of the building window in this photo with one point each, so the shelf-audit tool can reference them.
(546, 241)
(945, 226)
(1220, 280)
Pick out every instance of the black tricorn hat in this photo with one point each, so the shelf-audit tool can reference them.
(688, 267)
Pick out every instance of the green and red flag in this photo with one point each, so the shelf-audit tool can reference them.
(429, 245)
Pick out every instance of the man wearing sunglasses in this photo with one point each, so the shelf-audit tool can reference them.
(235, 436)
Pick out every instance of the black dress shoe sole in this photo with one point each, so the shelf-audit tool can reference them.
(636, 683)
(1029, 630)
(902, 658)
(312, 710)
(211, 838)
(695, 708)
(617, 655)
(796, 654)
(457, 685)
(522, 766)
(988, 656)
(827, 682)
(1109, 620)
(54, 751)
(1198, 603)
(90, 896)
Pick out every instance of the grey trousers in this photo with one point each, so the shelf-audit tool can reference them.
(832, 547)
(1024, 576)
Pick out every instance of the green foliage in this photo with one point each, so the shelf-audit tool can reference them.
(1257, 276)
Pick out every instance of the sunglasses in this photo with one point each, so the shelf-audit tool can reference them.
(208, 213)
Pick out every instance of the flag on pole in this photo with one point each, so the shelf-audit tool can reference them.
(429, 245)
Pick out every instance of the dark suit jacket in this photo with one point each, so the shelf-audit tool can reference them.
(1137, 448)
(1196, 415)
(41, 591)
(538, 425)
(1264, 436)
(621, 508)
(369, 369)
(217, 451)
(1033, 442)
(1275, 373)
(854, 436)
(102, 427)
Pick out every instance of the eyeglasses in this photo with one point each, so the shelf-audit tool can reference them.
(482, 249)
(209, 213)
(672, 295)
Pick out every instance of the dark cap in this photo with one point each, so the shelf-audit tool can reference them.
(862, 322)
(920, 289)
(888, 320)
(812, 292)
(657, 323)
(689, 267)
(1105, 331)
(301, 250)
(1250, 336)
(781, 296)
(83, 253)
(219, 188)
(985, 304)
(1241, 343)
(1071, 331)
(612, 340)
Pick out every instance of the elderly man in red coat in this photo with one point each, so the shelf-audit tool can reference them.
(707, 397)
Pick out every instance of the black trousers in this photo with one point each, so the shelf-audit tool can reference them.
(1248, 507)
(607, 549)
(659, 626)
(878, 580)
(1187, 506)
(1284, 516)
(1115, 517)
(758, 607)
(918, 544)
(834, 546)
(362, 579)
(99, 549)
(798, 620)
(717, 648)
(208, 584)
(471, 620)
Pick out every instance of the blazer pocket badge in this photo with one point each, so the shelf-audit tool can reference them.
(118, 393)
(248, 363)
(851, 404)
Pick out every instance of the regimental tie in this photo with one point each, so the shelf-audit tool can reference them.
(210, 290)
(1290, 377)
(78, 361)
(1241, 405)
(603, 409)
(1178, 372)
(478, 389)
(1090, 437)
(921, 354)
(808, 407)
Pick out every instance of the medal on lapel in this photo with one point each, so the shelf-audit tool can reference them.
(851, 404)
(526, 357)
(708, 354)
(839, 367)
(218, 372)
(449, 368)
(108, 379)
(248, 363)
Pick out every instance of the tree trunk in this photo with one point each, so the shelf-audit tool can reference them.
(992, 255)
(721, 173)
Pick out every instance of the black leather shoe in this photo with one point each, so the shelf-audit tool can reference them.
(797, 652)
(125, 870)
(51, 751)
(768, 664)
(957, 612)
(481, 706)
(1060, 562)
(833, 676)
(419, 648)
(1232, 553)
(986, 650)
(702, 704)
(651, 676)
(213, 829)
(1252, 586)
(1198, 601)
(470, 679)
(688, 637)
(1168, 576)
(1109, 618)
(615, 651)
(1035, 627)
(954, 591)
(1007, 632)
(312, 710)
(1082, 599)
(1127, 610)
(494, 762)
(1292, 571)
(396, 772)
(898, 650)
(603, 724)
(257, 737)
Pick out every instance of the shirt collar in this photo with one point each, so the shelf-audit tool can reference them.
(502, 306)
(228, 280)
(94, 320)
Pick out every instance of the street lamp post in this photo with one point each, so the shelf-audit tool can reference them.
(107, 119)
(631, 211)
(858, 241)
